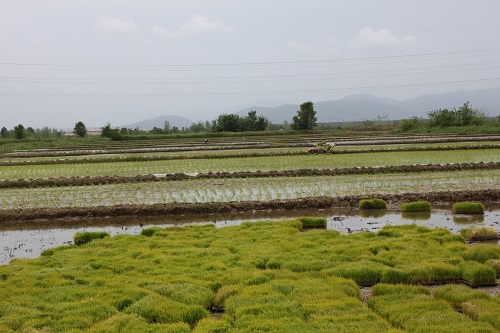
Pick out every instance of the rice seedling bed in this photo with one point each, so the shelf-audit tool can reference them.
(266, 276)
(267, 163)
(246, 189)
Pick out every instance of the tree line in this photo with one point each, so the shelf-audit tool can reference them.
(304, 120)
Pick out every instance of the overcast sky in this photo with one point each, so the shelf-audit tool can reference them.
(122, 61)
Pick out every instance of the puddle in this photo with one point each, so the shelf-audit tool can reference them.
(30, 242)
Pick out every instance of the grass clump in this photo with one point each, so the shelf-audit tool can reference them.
(414, 310)
(457, 294)
(417, 206)
(495, 265)
(372, 204)
(313, 222)
(479, 233)
(81, 238)
(482, 252)
(476, 273)
(468, 208)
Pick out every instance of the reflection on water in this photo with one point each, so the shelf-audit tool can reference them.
(30, 242)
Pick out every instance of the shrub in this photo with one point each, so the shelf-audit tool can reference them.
(417, 206)
(479, 233)
(87, 237)
(468, 208)
(313, 222)
(372, 204)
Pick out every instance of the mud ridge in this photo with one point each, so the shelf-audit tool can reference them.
(101, 180)
(441, 198)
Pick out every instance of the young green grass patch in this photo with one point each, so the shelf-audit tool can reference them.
(479, 233)
(468, 208)
(372, 204)
(417, 206)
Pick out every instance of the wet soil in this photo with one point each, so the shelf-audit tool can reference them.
(33, 216)
(99, 180)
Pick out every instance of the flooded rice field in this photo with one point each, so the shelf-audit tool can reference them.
(32, 240)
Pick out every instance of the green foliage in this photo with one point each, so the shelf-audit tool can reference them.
(268, 276)
(418, 206)
(479, 233)
(458, 294)
(412, 124)
(495, 265)
(482, 252)
(476, 273)
(399, 289)
(111, 133)
(313, 222)
(372, 204)
(81, 238)
(305, 118)
(148, 232)
(80, 129)
(234, 123)
(463, 116)
(19, 132)
(468, 208)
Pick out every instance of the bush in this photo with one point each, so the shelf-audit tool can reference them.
(468, 208)
(372, 204)
(313, 222)
(87, 237)
(479, 233)
(417, 206)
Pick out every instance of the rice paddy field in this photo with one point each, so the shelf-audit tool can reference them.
(253, 277)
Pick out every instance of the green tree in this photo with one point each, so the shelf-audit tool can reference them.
(80, 129)
(112, 133)
(166, 127)
(467, 116)
(19, 132)
(4, 132)
(253, 123)
(305, 118)
(228, 123)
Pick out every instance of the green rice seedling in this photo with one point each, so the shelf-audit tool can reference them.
(211, 325)
(483, 310)
(425, 273)
(417, 206)
(482, 252)
(362, 272)
(479, 233)
(476, 273)
(416, 311)
(394, 276)
(186, 293)
(495, 265)
(372, 204)
(313, 222)
(158, 309)
(128, 323)
(382, 289)
(458, 294)
(148, 232)
(81, 238)
(468, 208)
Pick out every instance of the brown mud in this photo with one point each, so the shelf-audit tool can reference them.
(101, 180)
(20, 217)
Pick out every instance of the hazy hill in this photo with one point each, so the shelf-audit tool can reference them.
(147, 125)
(367, 107)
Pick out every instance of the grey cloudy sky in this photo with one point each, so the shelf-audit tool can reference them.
(122, 61)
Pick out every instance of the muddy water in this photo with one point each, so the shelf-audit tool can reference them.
(29, 241)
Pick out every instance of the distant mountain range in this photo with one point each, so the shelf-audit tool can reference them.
(369, 107)
(159, 122)
(359, 107)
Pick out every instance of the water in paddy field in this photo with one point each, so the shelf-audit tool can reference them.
(28, 242)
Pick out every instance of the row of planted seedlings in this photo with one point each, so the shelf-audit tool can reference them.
(234, 162)
(260, 276)
(245, 189)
